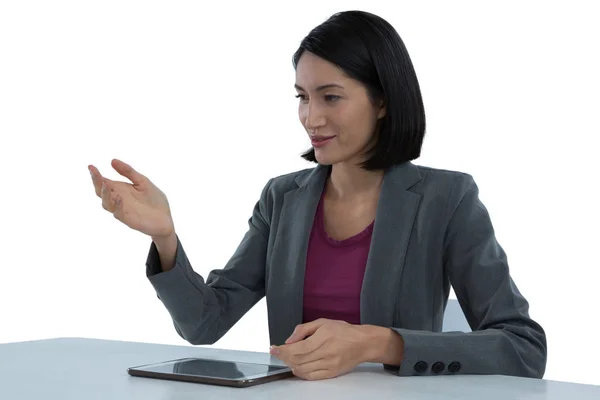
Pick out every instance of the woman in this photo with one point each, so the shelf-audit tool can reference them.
(356, 256)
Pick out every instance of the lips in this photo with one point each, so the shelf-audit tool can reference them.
(320, 141)
(320, 138)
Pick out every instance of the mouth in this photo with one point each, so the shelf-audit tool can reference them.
(320, 141)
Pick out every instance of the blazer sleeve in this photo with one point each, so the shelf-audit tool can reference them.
(203, 311)
(504, 339)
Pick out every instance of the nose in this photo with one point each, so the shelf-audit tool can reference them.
(312, 116)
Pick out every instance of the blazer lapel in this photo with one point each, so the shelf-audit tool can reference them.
(396, 211)
(290, 251)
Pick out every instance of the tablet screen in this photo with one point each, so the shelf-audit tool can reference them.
(214, 369)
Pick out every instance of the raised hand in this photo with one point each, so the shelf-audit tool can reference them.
(140, 204)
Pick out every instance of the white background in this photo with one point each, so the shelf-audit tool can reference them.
(200, 98)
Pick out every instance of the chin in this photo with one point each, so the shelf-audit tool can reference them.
(329, 159)
(332, 158)
(325, 159)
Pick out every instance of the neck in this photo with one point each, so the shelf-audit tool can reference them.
(347, 181)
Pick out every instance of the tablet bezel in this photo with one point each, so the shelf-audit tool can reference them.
(140, 371)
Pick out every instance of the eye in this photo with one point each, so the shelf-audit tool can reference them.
(301, 97)
(331, 98)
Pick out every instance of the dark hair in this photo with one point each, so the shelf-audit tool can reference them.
(367, 48)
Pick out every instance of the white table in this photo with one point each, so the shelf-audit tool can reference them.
(96, 369)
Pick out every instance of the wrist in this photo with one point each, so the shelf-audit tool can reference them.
(167, 250)
(165, 241)
(383, 345)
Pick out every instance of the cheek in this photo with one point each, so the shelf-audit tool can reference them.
(302, 114)
(356, 136)
(354, 126)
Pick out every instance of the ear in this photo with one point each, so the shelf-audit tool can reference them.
(382, 110)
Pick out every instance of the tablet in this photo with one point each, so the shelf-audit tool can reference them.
(213, 372)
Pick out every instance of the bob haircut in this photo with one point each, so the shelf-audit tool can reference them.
(368, 49)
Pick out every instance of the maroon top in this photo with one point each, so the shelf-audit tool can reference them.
(334, 273)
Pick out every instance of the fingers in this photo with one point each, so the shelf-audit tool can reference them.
(107, 202)
(110, 199)
(105, 189)
(304, 330)
(303, 352)
(113, 202)
(315, 370)
(318, 375)
(119, 210)
(128, 172)
(96, 179)
(297, 344)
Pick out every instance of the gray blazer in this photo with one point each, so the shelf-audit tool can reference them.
(431, 231)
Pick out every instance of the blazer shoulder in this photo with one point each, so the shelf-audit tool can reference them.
(452, 184)
(276, 188)
(438, 176)
(281, 184)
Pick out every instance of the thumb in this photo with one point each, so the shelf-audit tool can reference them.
(304, 330)
(128, 172)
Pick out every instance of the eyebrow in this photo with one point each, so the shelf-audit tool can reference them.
(322, 87)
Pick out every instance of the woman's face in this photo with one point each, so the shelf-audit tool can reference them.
(335, 110)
